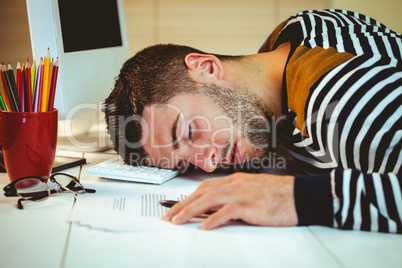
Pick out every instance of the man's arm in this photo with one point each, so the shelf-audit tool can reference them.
(345, 199)
(370, 202)
(258, 199)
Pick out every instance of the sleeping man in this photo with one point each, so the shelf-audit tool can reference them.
(327, 84)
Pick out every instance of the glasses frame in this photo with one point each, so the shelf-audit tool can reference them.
(10, 190)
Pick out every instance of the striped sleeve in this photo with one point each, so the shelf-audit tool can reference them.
(350, 199)
(352, 117)
(370, 202)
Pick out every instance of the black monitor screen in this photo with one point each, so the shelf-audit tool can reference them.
(89, 24)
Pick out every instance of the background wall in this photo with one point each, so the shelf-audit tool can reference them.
(223, 26)
(219, 26)
(15, 43)
(386, 11)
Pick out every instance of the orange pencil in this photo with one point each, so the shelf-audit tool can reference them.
(50, 73)
(45, 88)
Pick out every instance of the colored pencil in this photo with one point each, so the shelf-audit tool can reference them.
(32, 88)
(9, 89)
(50, 73)
(2, 102)
(40, 98)
(36, 102)
(53, 85)
(22, 93)
(45, 87)
(18, 79)
(13, 86)
(13, 97)
(49, 84)
(33, 75)
(28, 88)
(5, 92)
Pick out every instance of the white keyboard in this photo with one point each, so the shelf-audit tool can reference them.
(116, 169)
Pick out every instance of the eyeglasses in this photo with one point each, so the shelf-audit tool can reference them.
(36, 189)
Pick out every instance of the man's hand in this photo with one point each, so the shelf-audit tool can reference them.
(258, 199)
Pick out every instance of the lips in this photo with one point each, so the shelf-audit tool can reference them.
(238, 159)
(236, 156)
(230, 159)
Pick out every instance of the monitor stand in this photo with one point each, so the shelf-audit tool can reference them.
(85, 133)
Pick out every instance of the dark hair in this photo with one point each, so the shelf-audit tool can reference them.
(153, 76)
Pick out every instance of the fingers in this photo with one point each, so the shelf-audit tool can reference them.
(197, 207)
(206, 187)
(257, 199)
(178, 207)
(227, 213)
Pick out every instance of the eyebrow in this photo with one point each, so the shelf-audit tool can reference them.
(174, 137)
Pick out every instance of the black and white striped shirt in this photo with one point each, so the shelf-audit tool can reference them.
(343, 93)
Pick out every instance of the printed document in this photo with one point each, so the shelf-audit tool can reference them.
(126, 210)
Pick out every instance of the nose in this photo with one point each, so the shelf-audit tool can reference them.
(206, 159)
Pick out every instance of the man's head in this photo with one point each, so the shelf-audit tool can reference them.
(171, 106)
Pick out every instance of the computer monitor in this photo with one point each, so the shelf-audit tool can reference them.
(89, 37)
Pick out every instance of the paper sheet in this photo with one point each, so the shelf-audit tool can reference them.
(126, 210)
(130, 206)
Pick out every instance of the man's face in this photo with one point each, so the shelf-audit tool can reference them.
(206, 131)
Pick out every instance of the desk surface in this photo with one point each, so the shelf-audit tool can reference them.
(41, 236)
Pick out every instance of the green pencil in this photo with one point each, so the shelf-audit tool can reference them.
(14, 99)
(33, 74)
(14, 87)
(2, 103)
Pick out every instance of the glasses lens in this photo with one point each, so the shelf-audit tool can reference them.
(32, 188)
(69, 183)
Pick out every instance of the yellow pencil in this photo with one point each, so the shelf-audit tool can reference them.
(33, 74)
(50, 79)
(45, 90)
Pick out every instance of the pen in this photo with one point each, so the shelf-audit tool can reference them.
(170, 203)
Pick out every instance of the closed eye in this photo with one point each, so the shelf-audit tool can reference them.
(190, 132)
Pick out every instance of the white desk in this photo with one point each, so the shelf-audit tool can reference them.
(41, 236)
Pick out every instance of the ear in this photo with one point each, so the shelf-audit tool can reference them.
(204, 64)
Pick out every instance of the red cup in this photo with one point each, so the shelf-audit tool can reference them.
(28, 141)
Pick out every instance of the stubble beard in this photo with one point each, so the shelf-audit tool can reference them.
(248, 115)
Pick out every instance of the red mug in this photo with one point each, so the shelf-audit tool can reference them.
(28, 141)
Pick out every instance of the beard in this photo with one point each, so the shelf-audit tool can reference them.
(247, 113)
